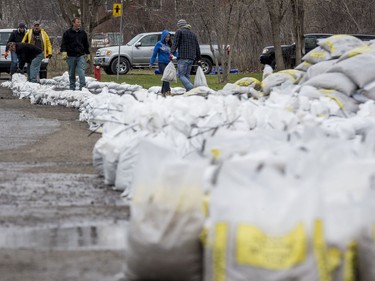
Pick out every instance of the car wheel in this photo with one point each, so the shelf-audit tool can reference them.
(124, 66)
(206, 65)
(108, 70)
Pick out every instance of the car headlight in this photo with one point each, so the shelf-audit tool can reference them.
(265, 51)
(105, 52)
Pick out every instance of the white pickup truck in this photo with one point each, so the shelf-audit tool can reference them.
(137, 53)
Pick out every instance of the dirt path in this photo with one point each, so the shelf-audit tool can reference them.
(58, 221)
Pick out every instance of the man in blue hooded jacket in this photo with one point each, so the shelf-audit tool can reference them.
(162, 50)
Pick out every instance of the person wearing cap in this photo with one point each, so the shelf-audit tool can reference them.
(16, 36)
(39, 37)
(30, 54)
(186, 42)
(76, 51)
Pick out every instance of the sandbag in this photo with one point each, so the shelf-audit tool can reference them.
(336, 81)
(249, 82)
(317, 69)
(359, 69)
(166, 217)
(303, 66)
(249, 242)
(317, 55)
(365, 49)
(339, 44)
(276, 79)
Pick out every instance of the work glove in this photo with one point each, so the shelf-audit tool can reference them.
(87, 58)
(199, 63)
(6, 54)
(48, 56)
(64, 55)
(170, 57)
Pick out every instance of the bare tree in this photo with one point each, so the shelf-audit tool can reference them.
(221, 21)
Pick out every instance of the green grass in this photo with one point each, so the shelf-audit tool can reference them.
(147, 79)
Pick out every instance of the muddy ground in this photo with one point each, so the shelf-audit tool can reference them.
(58, 221)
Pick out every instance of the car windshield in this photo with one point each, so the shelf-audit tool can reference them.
(132, 41)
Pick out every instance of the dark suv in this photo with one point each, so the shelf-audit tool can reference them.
(5, 63)
(289, 51)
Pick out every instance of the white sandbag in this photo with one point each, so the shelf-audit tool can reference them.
(166, 217)
(249, 82)
(267, 71)
(275, 80)
(336, 81)
(248, 241)
(202, 91)
(365, 49)
(339, 44)
(347, 104)
(317, 69)
(303, 66)
(317, 55)
(170, 73)
(125, 166)
(358, 68)
(200, 79)
(369, 90)
(346, 212)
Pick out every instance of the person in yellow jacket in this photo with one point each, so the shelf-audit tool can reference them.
(39, 37)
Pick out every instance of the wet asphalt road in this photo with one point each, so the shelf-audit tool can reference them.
(58, 221)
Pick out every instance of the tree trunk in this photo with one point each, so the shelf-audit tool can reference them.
(274, 9)
(298, 28)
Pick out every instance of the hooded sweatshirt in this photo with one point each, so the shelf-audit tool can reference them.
(162, 49)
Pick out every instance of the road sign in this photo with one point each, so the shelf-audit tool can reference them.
(117, 10)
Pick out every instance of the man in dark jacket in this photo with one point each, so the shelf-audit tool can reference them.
(75, 50)
(16, 36)
(30, 54)
(186, 42)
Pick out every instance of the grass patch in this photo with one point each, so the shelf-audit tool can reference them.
(147, 79)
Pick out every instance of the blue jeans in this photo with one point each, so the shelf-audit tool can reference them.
(183, 72)
(76, 64)
(165, 86)
(14, 62)
(34, 67)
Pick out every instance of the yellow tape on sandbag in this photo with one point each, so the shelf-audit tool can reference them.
(220, 251)
(258, 249)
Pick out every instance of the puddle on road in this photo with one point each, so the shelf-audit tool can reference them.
(91, 237)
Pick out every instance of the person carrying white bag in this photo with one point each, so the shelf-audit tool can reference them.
(162, 51)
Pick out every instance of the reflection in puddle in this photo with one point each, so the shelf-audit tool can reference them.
(108, 236)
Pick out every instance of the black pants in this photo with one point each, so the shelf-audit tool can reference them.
(165, 86)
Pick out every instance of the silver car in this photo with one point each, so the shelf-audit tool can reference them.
(137, 53)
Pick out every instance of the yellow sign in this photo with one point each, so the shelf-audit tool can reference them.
(117, 10)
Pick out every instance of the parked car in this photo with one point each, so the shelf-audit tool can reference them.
(5, 62)
(137, 53)
(289, 51)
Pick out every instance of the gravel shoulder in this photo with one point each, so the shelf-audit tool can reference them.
(58, 221)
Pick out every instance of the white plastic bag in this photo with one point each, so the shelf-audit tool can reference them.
(169, 74)
(200, 79)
